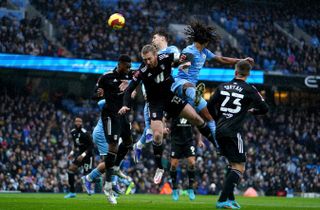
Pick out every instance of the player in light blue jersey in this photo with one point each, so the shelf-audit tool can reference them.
(197, 54)
(160, 41)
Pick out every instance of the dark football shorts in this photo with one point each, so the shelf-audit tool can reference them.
(116, 126)
(86, 163)
(169, 107)
(233, 148)
(180, 151)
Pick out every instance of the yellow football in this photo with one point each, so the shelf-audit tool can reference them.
(116, 21)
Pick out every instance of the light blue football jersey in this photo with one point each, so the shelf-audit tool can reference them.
(169, 49)
(199, 58)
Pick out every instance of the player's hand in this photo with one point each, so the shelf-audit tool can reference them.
(184, 66)
(123, 110)
(166, 131)
(124, 84)
(201, 144)
(133, 94)
(100, 92)
(250, 60)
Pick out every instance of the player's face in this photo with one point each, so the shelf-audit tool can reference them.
(78, 122)
(156, 40)
(124, 67)
(150, 59)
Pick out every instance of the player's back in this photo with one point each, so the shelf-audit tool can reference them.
(169, 49)
(181, 131)
(231, 103)
(197, 58)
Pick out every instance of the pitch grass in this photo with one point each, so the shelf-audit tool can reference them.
(39, 201)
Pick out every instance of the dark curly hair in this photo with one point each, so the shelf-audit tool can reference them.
(199, 32)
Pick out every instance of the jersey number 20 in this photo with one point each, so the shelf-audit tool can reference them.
(236, 97)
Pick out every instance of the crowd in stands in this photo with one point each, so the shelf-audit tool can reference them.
(25, 37)
(282, 147)
(82, 29)
(253, 25)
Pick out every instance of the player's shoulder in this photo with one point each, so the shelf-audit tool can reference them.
(189, 49)
(84, 130)
(206, 50)
(73, 131)
(143, 68)
(173, 49)
(164, 56)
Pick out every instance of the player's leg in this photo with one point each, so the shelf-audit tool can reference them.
(71, 171)
(124, 146)
(192, 116)
(87, 164)
(233, 150)
(191, 152)
(233, 179)
(146, 137)
(100, 141)
(173, 174)
(157, 128)
(199, 104)
(186, 90)
(112, 130)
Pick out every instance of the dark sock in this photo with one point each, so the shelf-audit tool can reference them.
(157, 151)
(122, 152)
(231, 195)
(205, 131)
(173, 175)
(231, 180)
(109, 160)
(71, 181)
(191, 175)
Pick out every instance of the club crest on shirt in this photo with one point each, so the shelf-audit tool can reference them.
(154, 115)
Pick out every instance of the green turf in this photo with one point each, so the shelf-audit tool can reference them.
(145, 202)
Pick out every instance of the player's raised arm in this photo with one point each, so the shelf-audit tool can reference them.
(231, 61)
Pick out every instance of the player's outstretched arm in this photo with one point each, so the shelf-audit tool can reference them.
(231, 61)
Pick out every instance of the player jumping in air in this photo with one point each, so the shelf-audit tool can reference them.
(197, 54)
(115, 126)
(100, 140)
(155, 73)
(160, 41)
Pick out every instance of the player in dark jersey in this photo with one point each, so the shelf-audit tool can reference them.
(155, 73)
(81, 152)
(115, 125)
(183, 146)
(230, 104)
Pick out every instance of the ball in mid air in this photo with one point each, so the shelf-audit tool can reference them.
(116, 21)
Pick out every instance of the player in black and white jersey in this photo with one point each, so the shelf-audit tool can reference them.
(230, 104)
(183, 146)
(81, 153)
(155, 73)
